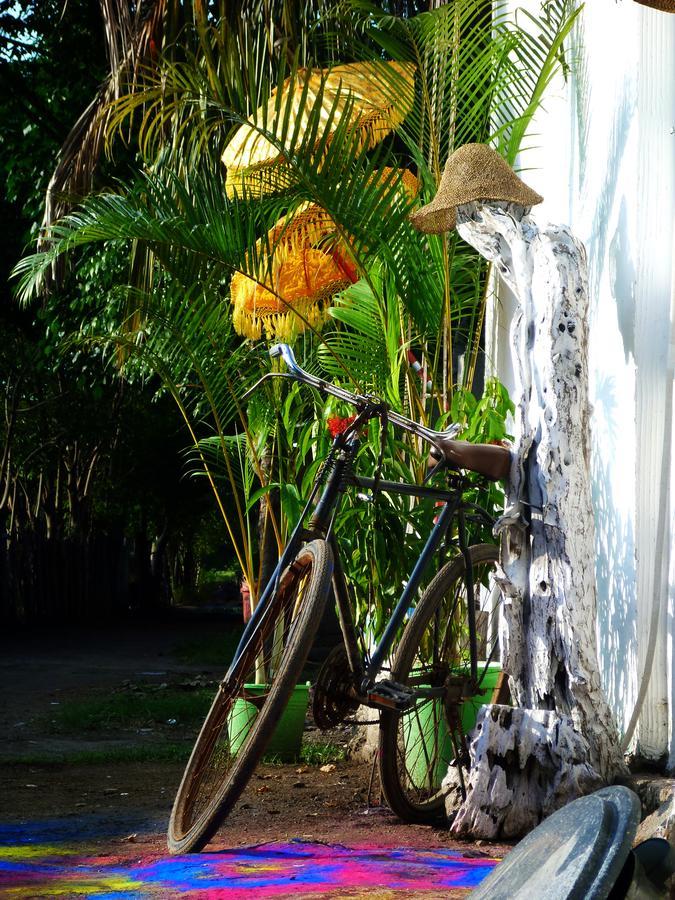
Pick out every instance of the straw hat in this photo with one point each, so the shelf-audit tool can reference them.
(473, 172)
(665, 5)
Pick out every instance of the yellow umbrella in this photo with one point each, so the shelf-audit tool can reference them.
(250, 158)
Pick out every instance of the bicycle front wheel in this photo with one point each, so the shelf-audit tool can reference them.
(230, 744)
(418, 745)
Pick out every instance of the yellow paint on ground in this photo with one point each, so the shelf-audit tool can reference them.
(26, 851)
(72, 887)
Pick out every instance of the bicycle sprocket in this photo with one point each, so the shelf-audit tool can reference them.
(334, 696)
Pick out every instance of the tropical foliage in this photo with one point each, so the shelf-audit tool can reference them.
(477, 75)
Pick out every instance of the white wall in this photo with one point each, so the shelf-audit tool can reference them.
(604, 161)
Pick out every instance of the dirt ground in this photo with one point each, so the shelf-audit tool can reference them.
(281, 803)
(130, 802)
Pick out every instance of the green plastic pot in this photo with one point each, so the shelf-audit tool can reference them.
(470, 707)
(286, 739)
(427, 737)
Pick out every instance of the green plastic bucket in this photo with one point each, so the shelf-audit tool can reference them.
(470, 707)
(426, 737)
(426, 734)
(286, 738)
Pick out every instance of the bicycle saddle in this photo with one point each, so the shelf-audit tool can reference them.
(491, 460)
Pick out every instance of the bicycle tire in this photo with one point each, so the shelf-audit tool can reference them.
(215, 775)
(416, 746)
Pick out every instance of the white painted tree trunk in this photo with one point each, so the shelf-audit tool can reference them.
(549, 643)
(527, 764)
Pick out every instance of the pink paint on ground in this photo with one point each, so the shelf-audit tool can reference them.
(254, 873)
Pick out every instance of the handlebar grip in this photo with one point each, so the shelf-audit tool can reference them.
(288, 356)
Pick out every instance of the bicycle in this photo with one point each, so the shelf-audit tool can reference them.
(437, 665)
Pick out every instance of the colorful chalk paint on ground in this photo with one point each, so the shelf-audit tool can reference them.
(271, 870)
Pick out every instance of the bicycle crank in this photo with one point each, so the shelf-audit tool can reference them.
(334, 695)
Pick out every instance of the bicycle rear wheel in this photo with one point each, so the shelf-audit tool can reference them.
(418, 745)
(229, 747)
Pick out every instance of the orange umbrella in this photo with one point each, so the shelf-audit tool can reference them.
(309, 226)
(310, 264)
(252, 159)
(303, 285)
(308, 267)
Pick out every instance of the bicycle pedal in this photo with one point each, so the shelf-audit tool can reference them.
(389, 695)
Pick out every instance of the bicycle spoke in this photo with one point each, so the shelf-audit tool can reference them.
(416, 748)
(244, 713)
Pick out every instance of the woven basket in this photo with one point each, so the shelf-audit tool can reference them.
(663, 5)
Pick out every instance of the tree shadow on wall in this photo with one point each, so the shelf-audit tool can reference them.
(615, 571)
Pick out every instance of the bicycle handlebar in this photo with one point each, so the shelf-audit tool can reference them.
(296, 372)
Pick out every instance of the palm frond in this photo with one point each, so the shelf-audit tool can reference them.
(361, 347)
(130, 36)
(483, 71)
(536, 57)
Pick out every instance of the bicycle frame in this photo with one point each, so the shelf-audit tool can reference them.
(340, 478)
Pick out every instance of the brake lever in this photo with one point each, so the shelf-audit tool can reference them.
(431, 472)
(453, 430)
(255, 387)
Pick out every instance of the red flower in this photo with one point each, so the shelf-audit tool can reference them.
(337, 424)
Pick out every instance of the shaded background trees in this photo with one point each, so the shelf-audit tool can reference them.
(96, 514)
